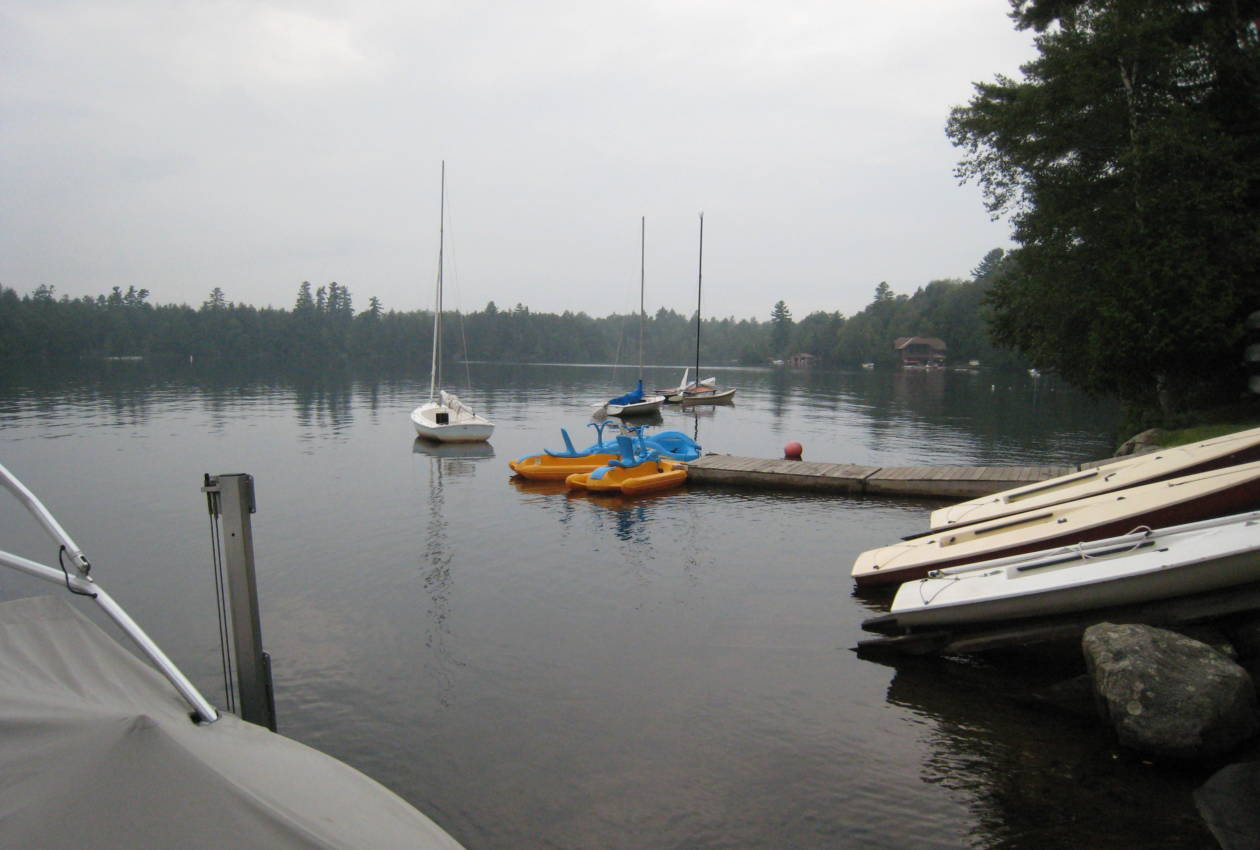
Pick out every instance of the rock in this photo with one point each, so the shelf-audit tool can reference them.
(1169, 695)
(1227, 803)
(1147, 441)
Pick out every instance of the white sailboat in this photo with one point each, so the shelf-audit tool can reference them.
(444, 418)
(702, 391)
(636, 402)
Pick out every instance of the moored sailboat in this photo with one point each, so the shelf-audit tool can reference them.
(637, 402)
(706, 391)
(444, 418)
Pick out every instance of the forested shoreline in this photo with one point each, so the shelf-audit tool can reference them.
(323, 326)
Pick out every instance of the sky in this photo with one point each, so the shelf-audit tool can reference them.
(181, 146)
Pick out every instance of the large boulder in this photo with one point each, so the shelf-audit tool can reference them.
(1227, 803)
(1169, 695)
(1147, 441)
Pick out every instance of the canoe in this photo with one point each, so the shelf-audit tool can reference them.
(651, 476)
(1127, 570)
(1164, 503)
(1227, 450)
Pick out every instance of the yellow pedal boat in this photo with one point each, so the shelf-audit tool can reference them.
(650, 476)
(547, 467)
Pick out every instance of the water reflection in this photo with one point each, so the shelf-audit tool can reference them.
(455, 461)
(1036, 778)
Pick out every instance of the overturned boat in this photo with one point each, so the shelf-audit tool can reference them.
(1125, 570)
(1227, 450)
(1181, 500)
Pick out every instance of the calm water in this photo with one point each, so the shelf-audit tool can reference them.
(539, 670)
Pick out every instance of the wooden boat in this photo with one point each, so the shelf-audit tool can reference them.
(631, 474)
(704, 395)
(1126, 570)
(1181, 500)
(1227, 450)
(685, 384)
(444, 418)
(700, 392)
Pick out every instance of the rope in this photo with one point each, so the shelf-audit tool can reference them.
(1085, 556)
(61, 551)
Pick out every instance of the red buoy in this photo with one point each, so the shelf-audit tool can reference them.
(792, 451)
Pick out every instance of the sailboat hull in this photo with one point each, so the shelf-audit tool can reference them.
(651, 404)
(711, 397)
(1181, 500)
(447, 424)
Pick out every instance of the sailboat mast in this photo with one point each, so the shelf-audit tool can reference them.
(435, 371)
(642, 313)
(699, 283)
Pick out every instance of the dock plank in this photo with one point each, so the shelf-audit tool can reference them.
(946, 482)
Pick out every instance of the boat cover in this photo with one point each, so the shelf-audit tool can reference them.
(98, 750)
(633, 397)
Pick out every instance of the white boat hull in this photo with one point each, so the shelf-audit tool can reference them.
(650, 404)
(449, 421)
(1163, 564)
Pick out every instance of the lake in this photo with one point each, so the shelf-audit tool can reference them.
(538, 670)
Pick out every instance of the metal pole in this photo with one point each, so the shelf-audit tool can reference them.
(699, 283)
(253, 668)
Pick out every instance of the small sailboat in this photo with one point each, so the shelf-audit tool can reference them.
(706, 391)
(1218, 452)
(636, 402)
(1125, 570)
(684, 384)
(1163, 503)
(444, 418)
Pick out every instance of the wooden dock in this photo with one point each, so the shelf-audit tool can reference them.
(943, 482)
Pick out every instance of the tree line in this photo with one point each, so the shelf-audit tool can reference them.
(323, 326)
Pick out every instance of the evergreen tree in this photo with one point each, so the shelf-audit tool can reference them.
(1129, 158)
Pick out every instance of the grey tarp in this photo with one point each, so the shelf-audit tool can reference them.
(98, 750)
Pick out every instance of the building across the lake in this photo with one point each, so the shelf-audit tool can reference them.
(802, 360)
(920, 352)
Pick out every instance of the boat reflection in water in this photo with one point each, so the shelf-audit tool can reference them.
(457, 460)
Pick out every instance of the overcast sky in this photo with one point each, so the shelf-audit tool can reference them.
(179, 146)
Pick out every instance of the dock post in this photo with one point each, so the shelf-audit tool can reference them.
(231, 499)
